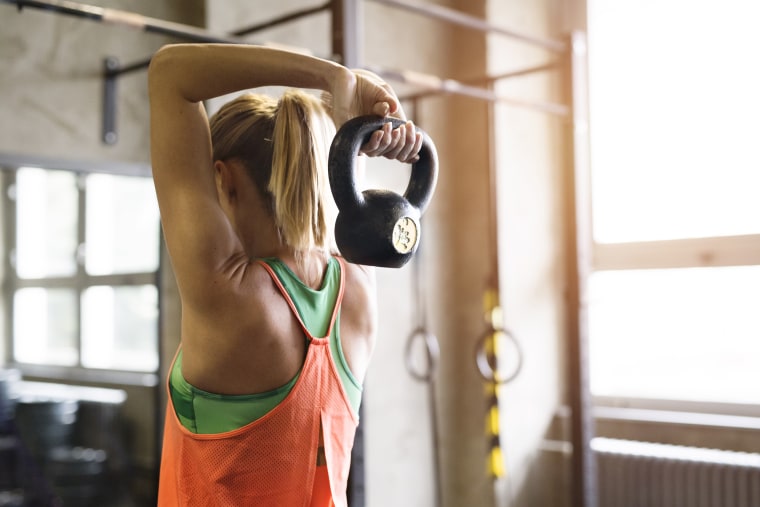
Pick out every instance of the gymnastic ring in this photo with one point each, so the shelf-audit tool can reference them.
(486, 362)
(432, 353)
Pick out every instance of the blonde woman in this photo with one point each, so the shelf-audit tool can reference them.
(277, 332)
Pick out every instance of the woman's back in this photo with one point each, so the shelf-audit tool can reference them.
(251, 342)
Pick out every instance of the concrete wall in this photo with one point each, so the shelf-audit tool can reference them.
(51, 86)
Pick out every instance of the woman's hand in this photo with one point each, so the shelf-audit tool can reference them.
(365, 93)
(402, 144)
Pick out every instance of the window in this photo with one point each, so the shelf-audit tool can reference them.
(82, 270)
(675, 289)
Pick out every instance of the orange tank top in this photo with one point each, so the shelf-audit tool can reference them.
(298, 454)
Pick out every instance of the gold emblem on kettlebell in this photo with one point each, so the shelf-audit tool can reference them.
(405, 235)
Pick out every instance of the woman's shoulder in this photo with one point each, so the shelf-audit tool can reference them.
(357, 272)
(359, 289)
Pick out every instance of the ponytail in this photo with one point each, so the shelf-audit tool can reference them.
(284, 146)
(299, 180)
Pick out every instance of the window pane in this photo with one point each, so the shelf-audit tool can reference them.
(46, 223)
(45, 326)
(674, 108)
(122, 225)
(690, 334)
(120, 327)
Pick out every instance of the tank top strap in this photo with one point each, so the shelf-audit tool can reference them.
(294, 309)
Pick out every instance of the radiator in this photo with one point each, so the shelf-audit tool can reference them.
(642, 474)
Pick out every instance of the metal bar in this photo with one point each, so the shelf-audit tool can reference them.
(522, 72)
(578, 254)
(125, 18)
(346, 30)
(292, 16)
(487, 81)
(465, 20)
(8, 234)
(493, 200)
(501, 481)
(140, 22)
(143, 64)
(436, 84)
(80, 278)
(126, 69)
(109, 100)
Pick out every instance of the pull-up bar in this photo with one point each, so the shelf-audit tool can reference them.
(430, 84)
(459, 18)
(113, 69)
(125, 18)
(291, 16)
(435, 85)
(159, 26)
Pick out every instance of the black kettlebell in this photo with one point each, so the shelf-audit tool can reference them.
(378, 227)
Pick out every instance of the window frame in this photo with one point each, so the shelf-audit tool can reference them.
(707, 252)
(700, 252)
(79, 281)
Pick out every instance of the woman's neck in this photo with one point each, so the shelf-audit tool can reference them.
(308, 266)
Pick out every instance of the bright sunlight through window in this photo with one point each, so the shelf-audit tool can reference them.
(86, 257)
(674, 117)
(675, 153)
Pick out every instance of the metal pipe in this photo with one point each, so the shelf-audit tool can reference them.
(143, 64)
(522, 72)
(125, 18)
(153, 25)
(433, 83)
(459, 18)
(578, 255)
(292, 16)
(489, 80)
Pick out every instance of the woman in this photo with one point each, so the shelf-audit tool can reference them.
(276, 332)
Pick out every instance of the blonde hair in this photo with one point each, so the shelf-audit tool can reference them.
(284, 146)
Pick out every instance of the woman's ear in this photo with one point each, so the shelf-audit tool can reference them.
(225, 181)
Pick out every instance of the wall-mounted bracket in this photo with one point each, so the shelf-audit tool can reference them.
(111, 69)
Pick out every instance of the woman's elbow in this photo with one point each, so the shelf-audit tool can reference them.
(161, 68)
(158, 62)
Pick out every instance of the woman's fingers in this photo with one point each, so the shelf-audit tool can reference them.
(414, 155)
(378, 141)
(411, 146)
(397, 143)
(402, 143)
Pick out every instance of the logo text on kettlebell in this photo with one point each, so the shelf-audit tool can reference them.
(405, 235)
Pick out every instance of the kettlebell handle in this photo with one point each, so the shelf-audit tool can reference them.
(342, 163)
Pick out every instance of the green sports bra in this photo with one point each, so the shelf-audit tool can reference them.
(204, 412)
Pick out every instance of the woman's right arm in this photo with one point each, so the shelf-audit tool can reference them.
(204, 248)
